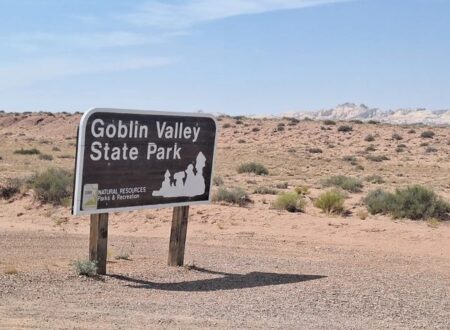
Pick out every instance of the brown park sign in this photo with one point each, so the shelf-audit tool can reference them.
(134, 159)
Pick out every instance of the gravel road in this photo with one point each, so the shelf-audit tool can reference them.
(241, 282)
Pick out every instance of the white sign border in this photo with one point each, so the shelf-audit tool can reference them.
(76, 209)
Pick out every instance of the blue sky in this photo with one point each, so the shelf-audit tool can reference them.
(228, 56)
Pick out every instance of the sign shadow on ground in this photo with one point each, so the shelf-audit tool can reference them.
(227, 281)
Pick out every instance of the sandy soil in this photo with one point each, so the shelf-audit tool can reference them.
(251, 267)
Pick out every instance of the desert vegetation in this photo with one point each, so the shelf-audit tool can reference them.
(414, 202)
(253, 167)
(290, 201)
(331, 202)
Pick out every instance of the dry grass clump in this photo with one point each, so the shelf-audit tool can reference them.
(234, 195)
(253, 167)
(123, 255)
(397, 137)
(427, 134)
(22, 151)
(370, 148)
(414, 202)
(362, 214)
(290, 201)
(350, 184)
(263, 190)
(10, 188)
(217, 181)
(376, 179)
(349, 158)
(280, 127)
(345, 128)
(331, 201)
(369, 138)
(293, 121)
(11, 271)
(302, 190)
(433, 223)
(45, 157)
(315, 150)
(377, 158)
(53, 185)
(282, 185)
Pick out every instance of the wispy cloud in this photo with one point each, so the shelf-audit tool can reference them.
(188, 13)
(25, 73)
(113, 39)
(150, 23)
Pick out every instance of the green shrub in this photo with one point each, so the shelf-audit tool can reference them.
(232, 195)
(414, 202)
(345, 128)
(356, 121)
(11, 187)
(53, 185)
(45, 157)
(329, 122)
(345, 182)
(417, 202)
(253, 167)
(373, 122)
(85, 267)
(56, 149)
(379, 201)
(331, 201)
(290, 201)
(263, 190)
(23, 151)
(427, 134)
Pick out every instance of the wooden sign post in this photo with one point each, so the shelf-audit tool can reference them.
(134, 159)
(98, 241)
(178, 235)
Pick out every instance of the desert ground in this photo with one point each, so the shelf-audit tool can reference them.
(248, 266)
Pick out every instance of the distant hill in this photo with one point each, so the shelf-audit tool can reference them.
(351, 111)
